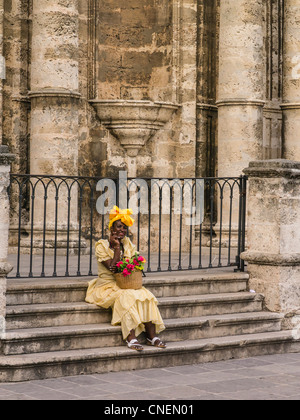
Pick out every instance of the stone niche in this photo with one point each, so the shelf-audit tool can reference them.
(132, 92)
(133, 122)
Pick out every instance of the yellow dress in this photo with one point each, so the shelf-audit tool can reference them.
(130, 308)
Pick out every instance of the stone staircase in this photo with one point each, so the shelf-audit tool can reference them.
(52, 332)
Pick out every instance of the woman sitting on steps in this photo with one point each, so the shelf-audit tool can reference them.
(135, 310)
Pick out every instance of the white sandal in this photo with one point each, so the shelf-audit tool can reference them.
(160, 344)
(134, 345)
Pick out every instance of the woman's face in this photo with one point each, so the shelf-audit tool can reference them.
(119, 229)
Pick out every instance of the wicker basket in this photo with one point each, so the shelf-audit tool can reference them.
(133, 281)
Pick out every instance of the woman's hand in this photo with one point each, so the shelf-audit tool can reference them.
(115, 240)
(117, 233)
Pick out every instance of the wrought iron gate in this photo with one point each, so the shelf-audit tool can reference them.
(181, 224)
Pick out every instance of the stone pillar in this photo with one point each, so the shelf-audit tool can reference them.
(291, 80)
(5, 268)
(241, 84)
(240, 90)
(54, 87)
(273, 253)
(54, 101)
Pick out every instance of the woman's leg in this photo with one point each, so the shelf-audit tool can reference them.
(150, 330)
(135, 345)
(151, 334)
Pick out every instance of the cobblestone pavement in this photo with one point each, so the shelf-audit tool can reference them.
(275, 377)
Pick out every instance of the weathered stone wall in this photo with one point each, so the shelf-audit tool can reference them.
(157, 50)
(128, 48)
(16, 104)
(140, 51)
(134, 49)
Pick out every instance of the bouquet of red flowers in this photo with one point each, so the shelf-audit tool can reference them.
(128, 265)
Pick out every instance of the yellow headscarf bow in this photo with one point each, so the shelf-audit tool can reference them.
(123, 215)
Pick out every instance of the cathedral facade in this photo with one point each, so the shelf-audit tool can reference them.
(159, 88)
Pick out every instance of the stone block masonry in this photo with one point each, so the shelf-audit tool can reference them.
(5, 160)
(273, 233)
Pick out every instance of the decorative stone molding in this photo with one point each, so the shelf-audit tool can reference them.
(274, 168)
(207, 107)
(54, 93)
(240, 102)
(271, 259)
(290, 106)
(133, 122)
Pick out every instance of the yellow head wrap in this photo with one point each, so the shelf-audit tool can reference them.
(123, 215)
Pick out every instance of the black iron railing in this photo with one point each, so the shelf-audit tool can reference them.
(180, 224)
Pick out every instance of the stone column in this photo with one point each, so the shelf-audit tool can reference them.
(54, 87)
(241, 84)
(241, 89)
(5, 268)
(273, 253)
(54, 101)
(291, 80)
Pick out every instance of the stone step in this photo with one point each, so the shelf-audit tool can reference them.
(80, 313)
(37, 291)
(211, 304)
(38, 340)
(21, 368)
